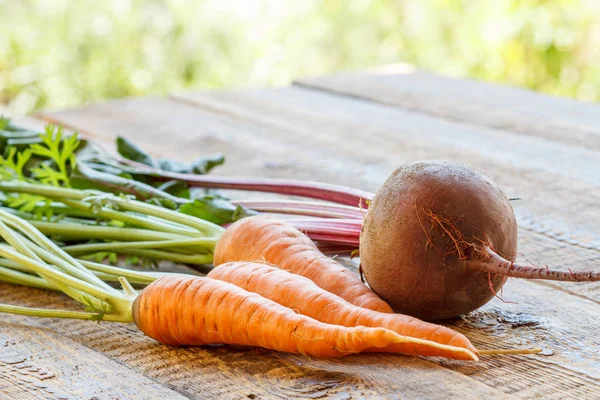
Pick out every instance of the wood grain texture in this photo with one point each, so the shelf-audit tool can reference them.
(37, 363)
(515, 109)
(540, 316)
(306, 134)
(559, 202)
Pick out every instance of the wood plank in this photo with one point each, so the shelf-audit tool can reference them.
(560, 196)
(543, 317)
(303, 130)
(239, 373)
(38, 363)
(515, 109)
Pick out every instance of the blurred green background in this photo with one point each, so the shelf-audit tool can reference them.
(56, 54)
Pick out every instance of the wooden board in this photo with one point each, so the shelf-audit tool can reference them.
(39, 363)
(515, 109)
(261, 142)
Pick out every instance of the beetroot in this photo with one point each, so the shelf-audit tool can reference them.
(440, 240)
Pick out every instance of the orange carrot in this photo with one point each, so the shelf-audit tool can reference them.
(302, 295)
(268, 239)
(185, 310)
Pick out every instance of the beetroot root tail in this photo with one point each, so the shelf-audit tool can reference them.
(493, 263)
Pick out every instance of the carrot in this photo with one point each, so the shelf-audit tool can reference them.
(302, 295)
(185, 310)
(264, 238)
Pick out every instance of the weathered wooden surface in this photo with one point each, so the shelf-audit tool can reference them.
(311, 134)
(519, 110)
(36, 362)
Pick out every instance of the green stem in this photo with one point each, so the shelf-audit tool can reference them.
(142, 222)
(42, 281)
(21, 244)
(125, 203)
(101, 232)
(59, 208)
(204, 226)
(105, 272)
(16, 241)
(134, 276)
(42, 241)
(19, 278)
(43, 190)
(62, 264)
(208, 243)
(37, 253)
(196, 259)
(56, 275)
(117, 299)
(67, 213)
(43, 312)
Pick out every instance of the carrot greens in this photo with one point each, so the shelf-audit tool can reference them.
(87, 199)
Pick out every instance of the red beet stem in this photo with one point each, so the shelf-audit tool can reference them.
(495, 264)
(314, 190)
(334, 239)
(306, 208)
(338, 231)
(341, 226)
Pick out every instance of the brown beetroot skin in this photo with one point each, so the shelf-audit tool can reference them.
(413, 258)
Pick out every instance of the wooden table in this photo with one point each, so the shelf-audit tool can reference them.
(353, 129)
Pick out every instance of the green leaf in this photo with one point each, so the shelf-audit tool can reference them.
(48, 176)
(4, 123)
(205, 164)
(132, 260)
(24, 202)
(165, 203)
(132, 152)
(176, 188)
(173, 166)
(150, 263)
(101, 256)
(13, 163)
(215, 209)
(88, 306)
(60, 151)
